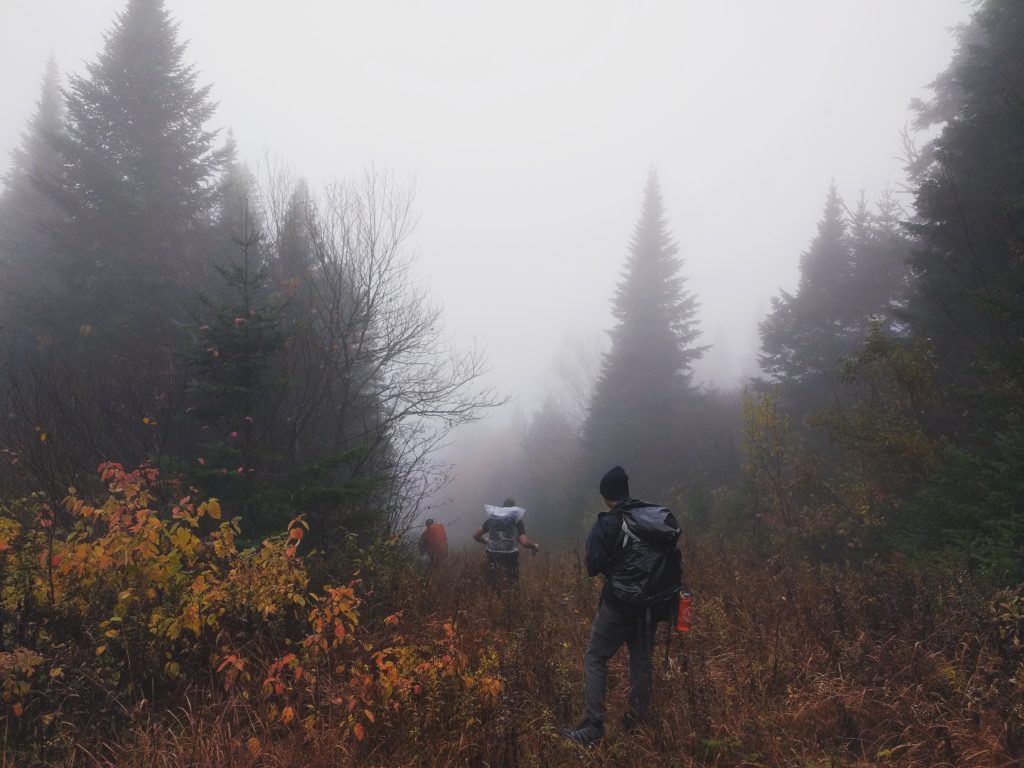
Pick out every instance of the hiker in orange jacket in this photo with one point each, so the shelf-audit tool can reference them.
(433, 543)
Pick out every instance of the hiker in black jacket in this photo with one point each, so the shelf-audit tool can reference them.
(642, 569)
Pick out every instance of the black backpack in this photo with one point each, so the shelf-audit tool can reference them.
(646, 568)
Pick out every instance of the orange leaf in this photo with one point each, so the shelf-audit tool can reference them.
(357, 729)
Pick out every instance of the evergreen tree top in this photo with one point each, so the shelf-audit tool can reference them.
(651, 303)
(826, 264)
(46, 124)
(139, 116)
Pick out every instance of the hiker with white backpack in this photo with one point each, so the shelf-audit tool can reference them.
(505, 532)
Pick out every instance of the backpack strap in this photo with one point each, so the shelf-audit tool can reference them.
(625, 535)
(620, 537)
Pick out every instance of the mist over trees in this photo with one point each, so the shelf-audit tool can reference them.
(225, 395)
(29, 212)
(265, 342)
(853, 274)
(886, 417)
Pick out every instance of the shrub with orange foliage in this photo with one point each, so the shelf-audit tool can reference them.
(141, 598)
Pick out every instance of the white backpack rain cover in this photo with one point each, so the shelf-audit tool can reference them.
(502, 528)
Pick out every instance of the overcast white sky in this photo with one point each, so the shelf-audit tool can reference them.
(529, 126)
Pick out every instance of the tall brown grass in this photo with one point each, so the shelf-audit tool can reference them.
(789, 663)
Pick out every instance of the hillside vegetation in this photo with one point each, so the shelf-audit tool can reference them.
(146, 640)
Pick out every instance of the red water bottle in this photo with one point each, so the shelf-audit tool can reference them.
(683, 616)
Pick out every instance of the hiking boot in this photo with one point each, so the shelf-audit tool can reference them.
(584, 734)
(632, 723)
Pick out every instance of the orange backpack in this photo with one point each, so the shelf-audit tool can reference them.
(436, 542)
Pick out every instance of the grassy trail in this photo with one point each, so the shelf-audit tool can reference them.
(787, 665)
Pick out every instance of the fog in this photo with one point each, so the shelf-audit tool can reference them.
(528, 130)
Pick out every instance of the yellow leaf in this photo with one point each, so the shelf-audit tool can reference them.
(254, 746)
(213, 509)
(101, 649)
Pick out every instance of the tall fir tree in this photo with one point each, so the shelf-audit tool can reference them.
(854, 277)
(138, 196)
(807, 332)
(544, 473)
(970, 204)
(234, 381)
(141, 185)
(644, 395)
(968, 302)
(29, 214)
(881, 249)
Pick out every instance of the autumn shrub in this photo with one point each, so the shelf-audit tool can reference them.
(141, 599)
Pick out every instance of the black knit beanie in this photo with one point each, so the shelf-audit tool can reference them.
(615, 484)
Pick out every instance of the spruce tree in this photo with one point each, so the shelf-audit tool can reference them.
(807, 332)
(544, 471)
(970, 204)
(233, 387)
(141, 182)
(293, 263)
(880, 280)
(29, 214)
(968, 302)
(644, 395)
(138, 194)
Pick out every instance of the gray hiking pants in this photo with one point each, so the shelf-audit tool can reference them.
(610, 630)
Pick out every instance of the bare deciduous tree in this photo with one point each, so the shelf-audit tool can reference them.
(377, 381)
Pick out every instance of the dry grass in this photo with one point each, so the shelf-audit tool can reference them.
(787, 665)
